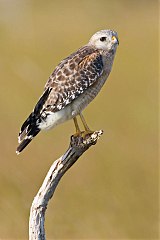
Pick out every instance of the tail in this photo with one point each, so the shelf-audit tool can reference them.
(28, 131)
(30, 127)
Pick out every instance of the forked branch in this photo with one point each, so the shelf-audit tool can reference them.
(78, 145)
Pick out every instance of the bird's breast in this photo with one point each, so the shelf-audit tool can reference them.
(79, 104)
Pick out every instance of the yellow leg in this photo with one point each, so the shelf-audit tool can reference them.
(78, 131)
(87, 129)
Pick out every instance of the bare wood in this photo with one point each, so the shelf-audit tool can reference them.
(78, 145)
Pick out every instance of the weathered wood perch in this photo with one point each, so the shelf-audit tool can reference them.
(78, 145)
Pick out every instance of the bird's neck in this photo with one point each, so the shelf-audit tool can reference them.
(108, 58)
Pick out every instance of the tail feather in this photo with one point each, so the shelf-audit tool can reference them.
(25, 127)
(27, 139)
(28, 131)
(30, 127)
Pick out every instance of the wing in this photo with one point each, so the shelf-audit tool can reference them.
(72, 77)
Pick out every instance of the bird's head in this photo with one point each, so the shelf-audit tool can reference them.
(105, 40)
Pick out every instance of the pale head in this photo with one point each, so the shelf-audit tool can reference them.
(105, 40)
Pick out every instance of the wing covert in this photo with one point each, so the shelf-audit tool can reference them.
(72, 77)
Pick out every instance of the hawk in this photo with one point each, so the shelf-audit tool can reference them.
(74, 83)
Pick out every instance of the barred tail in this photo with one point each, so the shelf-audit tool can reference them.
(28, 138)
(28, 131)
(30, 127)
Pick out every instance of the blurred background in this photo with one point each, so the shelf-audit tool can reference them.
(112, 191)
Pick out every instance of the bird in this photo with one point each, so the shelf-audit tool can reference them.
(74, 83)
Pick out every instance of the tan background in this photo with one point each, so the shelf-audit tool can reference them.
(112, 191)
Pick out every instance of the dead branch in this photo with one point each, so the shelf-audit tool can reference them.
(78, 145)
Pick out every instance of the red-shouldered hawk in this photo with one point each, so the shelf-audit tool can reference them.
(74, 83)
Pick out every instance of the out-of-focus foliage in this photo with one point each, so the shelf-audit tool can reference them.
(112, 192)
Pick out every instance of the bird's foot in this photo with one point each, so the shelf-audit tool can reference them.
(83, 134)
(87, 133)
(85, 137)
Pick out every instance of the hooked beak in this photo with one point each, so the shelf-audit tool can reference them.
(115, 40)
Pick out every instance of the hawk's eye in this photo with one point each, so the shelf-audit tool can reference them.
(102, 39)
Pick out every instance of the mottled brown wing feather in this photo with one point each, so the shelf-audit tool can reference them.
(72, 77)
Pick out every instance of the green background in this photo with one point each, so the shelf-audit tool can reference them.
(112, 191)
